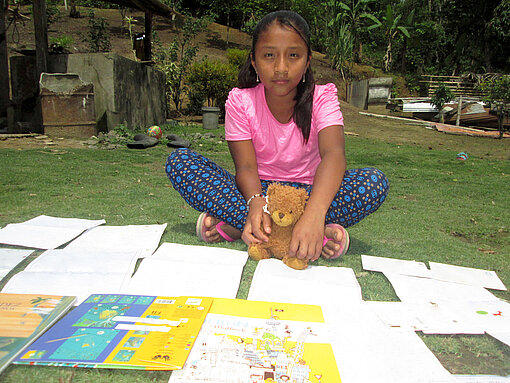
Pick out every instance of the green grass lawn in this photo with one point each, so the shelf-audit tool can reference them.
(439, 209)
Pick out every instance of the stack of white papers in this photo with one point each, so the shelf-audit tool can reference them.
(446, 299)
(176, 270)
(273, 281)
(45, 232)
(9, 258)
(75, 272)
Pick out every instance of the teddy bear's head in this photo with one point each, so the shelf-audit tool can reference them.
(285, 203)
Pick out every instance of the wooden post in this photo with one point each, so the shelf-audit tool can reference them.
(148, 36)
(4, 62)
(41, 54)
(459, 108)
(41, 36)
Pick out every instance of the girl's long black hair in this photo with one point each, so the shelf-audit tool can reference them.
(304, 97)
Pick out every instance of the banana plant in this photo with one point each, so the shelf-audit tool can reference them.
(354, 15)
(393, 26)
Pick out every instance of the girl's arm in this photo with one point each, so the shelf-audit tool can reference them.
(308, 233)
(248, 182)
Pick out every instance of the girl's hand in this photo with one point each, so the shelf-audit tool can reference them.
(256, 220)
(307, 238)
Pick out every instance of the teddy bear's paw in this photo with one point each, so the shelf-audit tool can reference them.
(295, 263)
(256, 253)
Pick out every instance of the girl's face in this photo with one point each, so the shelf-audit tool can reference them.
(281, 60)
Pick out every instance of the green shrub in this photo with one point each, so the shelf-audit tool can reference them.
(196, 99)
(237, 57)
(214, 79)
(98, 34)
(52, 14)
(61, 44)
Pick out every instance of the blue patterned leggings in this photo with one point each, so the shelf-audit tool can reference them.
(207, 187)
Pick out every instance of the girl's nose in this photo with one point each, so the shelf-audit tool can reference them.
(281, 65)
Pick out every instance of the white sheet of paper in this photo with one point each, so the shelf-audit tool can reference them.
(9, 258)
(483, 316)
(367, 350)
(459, 274)
(80, 285)
(80, 260)
(415, 289)
(144, 238)
(481, 379)
(200, 254)
(176, 270)
(397, 314)
(45, 232)
(320, 285)
(397, 266)
(431, 318)
(502, 336)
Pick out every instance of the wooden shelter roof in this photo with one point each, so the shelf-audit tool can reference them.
(153, 6)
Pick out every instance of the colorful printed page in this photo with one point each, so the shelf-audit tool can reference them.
(9, 258)
(44, 232)
(123, 331)
(23, 318)
(251, 341)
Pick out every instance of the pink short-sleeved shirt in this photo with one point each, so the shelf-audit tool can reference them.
(281, 152)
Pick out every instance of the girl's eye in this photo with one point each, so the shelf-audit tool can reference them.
(294, 55)
(268, 55)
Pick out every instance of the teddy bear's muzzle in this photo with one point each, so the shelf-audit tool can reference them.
(281, 219)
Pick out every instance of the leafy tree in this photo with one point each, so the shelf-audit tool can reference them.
(497, 90)
(441, 96)
(175, 61)
(499, 28)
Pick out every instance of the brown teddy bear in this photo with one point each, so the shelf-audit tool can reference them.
(285, 205)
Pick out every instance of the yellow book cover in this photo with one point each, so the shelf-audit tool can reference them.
(261, 342)
(123, 331)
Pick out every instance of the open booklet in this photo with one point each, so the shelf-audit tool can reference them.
(122, 331)
(23, 317)
(251, 341)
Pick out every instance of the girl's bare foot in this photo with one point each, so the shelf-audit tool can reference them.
(336, 235)
(212, 234)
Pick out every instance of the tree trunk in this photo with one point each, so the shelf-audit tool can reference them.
(387, 57)
(4, 62)
(501, 118)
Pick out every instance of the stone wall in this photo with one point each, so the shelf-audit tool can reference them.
(125, 91)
